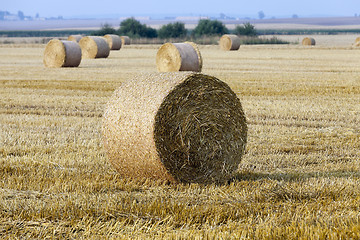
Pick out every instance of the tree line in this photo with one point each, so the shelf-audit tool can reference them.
(205, 27)
(203, 33)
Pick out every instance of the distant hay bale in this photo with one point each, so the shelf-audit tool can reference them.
(114, 41)
(173, 57)
(94, 47)
(74, 38)
(60, 53)
(125, 40)
(179, 127)
(357, 42)
(229, 42)
(308, 41)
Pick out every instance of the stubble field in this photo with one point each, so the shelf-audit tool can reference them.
(299, 178)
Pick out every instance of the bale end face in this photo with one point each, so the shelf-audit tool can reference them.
(182, 127)
(168, 58)
(200, 131)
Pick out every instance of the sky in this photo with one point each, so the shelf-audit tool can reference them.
(161, 8)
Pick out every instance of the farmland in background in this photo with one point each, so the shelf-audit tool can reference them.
(291, 24)
(299, 178)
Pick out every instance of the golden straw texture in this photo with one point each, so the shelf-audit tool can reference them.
(173, 57)
(180, 127)
(62, 54)
(94, 47)
(229, 42)
(114, 41)
(74, 38)
(125, 40)
(357, 42)
(308, 41)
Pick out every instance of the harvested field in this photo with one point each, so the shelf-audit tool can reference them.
(299, 176)
(322, 41)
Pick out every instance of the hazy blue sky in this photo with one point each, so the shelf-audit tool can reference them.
(237, 8)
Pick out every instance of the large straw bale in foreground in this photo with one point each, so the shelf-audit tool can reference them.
(94, 47)
(229, 42)
(308, 41)
(60, 53)
(114, 41)
(173, 57)
(75, 38)
(125, 40)
(181, 127)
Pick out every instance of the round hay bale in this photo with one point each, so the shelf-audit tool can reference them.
(308, 41)
(94, 47)
(125, 40)
(229, 42)
(178, 127)
(114, 41)
(173, 57)
(357, 42)
(74, 38)
(60, 53)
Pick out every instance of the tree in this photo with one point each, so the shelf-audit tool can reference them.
(133, 28)
(209, 27)
(261, 15)
(172, 30)
(105, 29)
(150, 32)
(246, 30)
